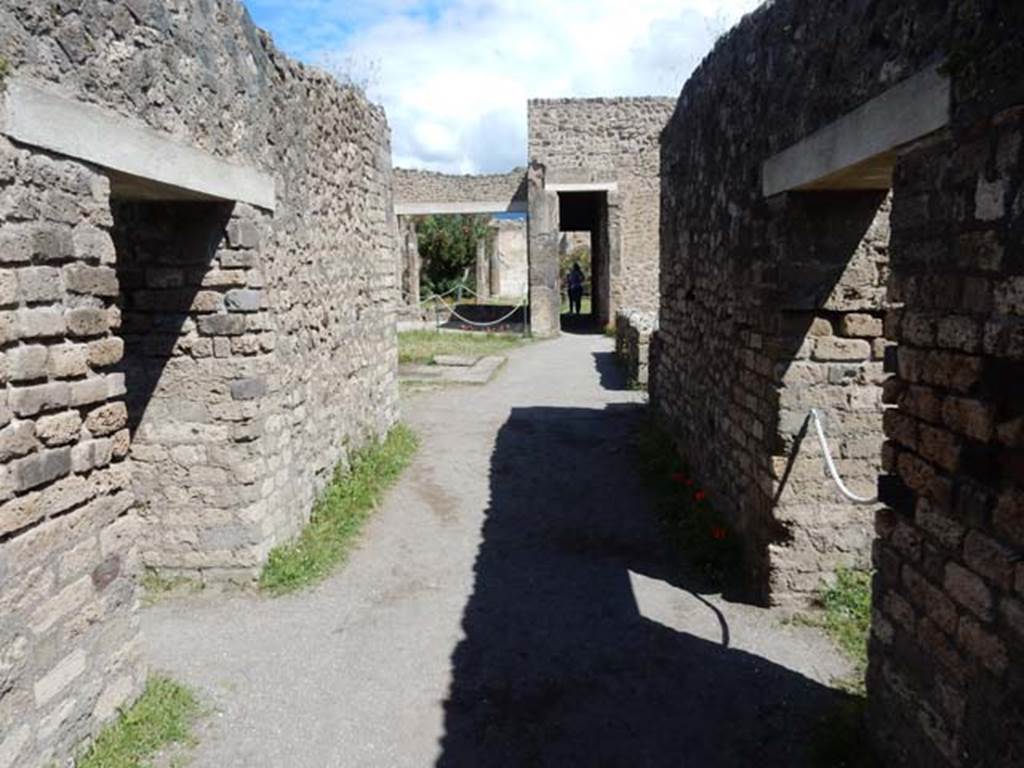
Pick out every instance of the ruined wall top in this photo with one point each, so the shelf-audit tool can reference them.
(414, 187)
(199, 71)
(588, 139)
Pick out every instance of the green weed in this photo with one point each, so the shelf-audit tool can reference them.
(422, 346)
(339, 514)
(162, 716)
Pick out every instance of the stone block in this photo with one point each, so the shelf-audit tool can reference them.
(91, 454)
(983, 645)
(17, 439)
(243, 300)
(89, 391)
(67, 361)
(59, 428)
(1009, 296)
(92, 244)
(92, 281)
(103, 353)
(1008, 515)
(222, 325)
(26, 363)
(969, 590)
(58, 678)
(9, 296)
(68, 600)
(831, 348)
(250, 388)
(107, 419)
(243, 234)
(40, 468)
(87, 321)
(990, 558)
(39, 284)
(40, 323)
(861, 325)
(208, 301)
(990, 199)
(973, 418)
(28, 401)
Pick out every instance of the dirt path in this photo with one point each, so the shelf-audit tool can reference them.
(512, 604)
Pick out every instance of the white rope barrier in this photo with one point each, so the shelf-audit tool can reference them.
(488, 324)
(832, 466)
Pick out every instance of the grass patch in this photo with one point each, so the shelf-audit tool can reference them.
(847, 605)
(703, 537)
(339, 514)
(156, 586)
(846, 615)
(422, 346)
(162, 716)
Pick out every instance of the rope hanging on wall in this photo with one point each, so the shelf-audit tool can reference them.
(816, 417)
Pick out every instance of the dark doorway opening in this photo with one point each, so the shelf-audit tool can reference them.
(583, 218)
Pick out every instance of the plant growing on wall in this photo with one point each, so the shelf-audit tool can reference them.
(447, 246)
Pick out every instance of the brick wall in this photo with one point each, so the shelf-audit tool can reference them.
(179, 377)
(772, 306)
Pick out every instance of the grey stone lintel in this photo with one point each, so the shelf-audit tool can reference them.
(857, 151)
(150, 164)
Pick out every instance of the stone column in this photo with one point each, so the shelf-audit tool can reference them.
(483, 269)
(545, 299)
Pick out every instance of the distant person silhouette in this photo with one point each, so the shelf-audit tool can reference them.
(575, 282)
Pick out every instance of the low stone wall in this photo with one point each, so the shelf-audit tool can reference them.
(427, 187)
(633, 331)
(181, 375)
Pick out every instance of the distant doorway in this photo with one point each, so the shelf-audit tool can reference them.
(583, 220)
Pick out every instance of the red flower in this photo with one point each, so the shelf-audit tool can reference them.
(700, 496)
(678, 477)
(689, 481)
(717, 532)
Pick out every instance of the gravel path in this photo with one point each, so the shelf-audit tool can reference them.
(511, 604)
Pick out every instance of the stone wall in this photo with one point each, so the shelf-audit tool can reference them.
(412, 186)
(610, 140)
(771, 306)
(180, 376)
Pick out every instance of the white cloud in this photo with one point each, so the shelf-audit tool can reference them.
(455, 79)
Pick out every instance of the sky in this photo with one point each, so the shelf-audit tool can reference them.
(454, 75)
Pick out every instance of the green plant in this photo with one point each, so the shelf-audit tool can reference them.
(847, 605)
(703, 536)
(447, 245)
(5, 69)
(339, 514)
(163, 715)
(423, 346)
(156, 586)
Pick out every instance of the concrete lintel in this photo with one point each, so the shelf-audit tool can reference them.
(469, 206)
(41, 119)
(589, 186)
(914, 108)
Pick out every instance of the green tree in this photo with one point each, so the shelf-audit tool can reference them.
(447, 247)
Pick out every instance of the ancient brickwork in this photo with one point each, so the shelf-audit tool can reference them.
(770, 307)
(412, 186)
(610, 140)
(180, 376)
(67, 545)
(947, 669)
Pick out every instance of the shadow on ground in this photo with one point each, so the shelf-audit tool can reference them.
(558, 666)
(579, 324)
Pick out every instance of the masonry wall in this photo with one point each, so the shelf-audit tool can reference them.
(610, 140)
(413, 186)
(180, 377)
(751, 337)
